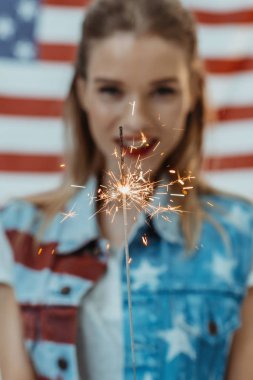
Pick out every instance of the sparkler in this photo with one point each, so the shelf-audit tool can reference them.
(124, 190)
(134, 184)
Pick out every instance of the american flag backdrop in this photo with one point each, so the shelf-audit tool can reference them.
(37, 46)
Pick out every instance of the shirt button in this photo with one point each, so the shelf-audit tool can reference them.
(212, 327)
(65, 290)
(62, 363)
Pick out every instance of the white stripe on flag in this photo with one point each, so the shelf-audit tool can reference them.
(19, 185)
(31, 135)
(218, 5)
(229, 139)
(36, 79)
(215, 40)
(226, 41)
(232, 90)
(51, 80)
(60, 24)
(234, 181)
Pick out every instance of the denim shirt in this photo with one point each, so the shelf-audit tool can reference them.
(186, 306)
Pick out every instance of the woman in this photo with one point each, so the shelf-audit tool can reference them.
(138, 67)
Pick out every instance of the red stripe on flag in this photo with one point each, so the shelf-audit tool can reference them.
(226, 163)
(236, 17)
(228, 66)
(12, 106)
(67, 53)
(234, 113)
(30, 107)
(22, 163)
(11, 162)
(66, 3)
(57, 52)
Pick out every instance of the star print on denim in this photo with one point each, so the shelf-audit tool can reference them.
(239, 218)
(223, 268)
(179, 321)
(178, 341)
(147, 275)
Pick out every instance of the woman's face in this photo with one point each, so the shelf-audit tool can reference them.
(142, 84)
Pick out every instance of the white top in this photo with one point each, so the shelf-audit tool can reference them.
(100, 341)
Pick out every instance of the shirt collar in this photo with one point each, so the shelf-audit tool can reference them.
(82, 228)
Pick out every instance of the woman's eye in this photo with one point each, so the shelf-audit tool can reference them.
(165, 91)
(110, 90)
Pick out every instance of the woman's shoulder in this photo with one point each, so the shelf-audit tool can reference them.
(18, 214)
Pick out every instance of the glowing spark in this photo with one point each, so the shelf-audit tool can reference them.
(124, 189)
(145, 240)
(108, 246)
(40, 251)
(143, 142)
(133, 107)
(143, 138)
(166, 218)
(69, 214)
(137, 189)
(53, 252)
(62, 165)
(210, 204)
(180, 180)
(157, 145)
(129, 261)
(172, 171)
(82, 187)
(115, 153)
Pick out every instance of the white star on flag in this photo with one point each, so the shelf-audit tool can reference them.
(147, 274)
(24, 50)
(223, 268)
(178, 343)
(7, 28)
(27, 9)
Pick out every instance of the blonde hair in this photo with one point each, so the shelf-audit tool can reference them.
(169, 20)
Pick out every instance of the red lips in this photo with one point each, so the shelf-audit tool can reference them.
(138, 149)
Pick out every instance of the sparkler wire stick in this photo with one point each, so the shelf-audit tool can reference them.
(124, 204)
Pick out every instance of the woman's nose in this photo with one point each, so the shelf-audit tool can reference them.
(137, 117)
